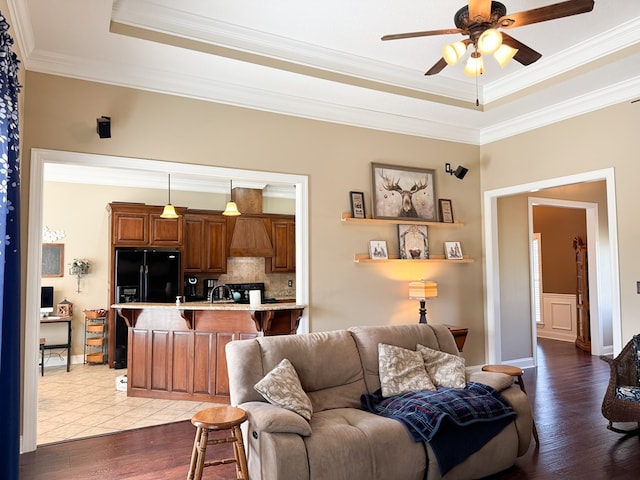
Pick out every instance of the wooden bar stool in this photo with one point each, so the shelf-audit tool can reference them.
(514, 372)
(216, 419)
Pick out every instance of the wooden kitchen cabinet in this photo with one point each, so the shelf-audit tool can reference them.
(137, 224)
(205, 243)
(283, 238)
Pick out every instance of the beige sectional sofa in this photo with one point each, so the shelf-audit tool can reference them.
(341, 440)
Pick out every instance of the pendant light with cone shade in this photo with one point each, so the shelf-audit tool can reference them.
(169, 211)
(231, 210)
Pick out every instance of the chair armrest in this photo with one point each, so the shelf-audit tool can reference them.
(498, 381)
(267, 418)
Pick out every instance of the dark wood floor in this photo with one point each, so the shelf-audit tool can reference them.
(566, 392)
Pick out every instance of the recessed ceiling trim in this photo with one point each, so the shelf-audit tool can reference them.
(576, 56)
(573, 107)
(142, 18)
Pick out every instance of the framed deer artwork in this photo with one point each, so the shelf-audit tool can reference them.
(403, 193)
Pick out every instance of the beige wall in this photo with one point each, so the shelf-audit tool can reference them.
(61, 113)
(601, 139)
(557, 228)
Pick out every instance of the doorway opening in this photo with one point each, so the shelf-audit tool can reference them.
(40, 157)
(559, 297)
(510, 337)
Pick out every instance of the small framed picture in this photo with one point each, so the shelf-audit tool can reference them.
(378, 250)
(446, 211)
(357, 205)
(453, 251)
(413, 241)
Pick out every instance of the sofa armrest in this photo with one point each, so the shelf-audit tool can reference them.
(267, 418)
(498, 381)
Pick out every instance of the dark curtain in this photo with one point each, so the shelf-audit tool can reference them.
(9, 259)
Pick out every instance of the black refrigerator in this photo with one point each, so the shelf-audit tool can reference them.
(143, 275)
(147, 275)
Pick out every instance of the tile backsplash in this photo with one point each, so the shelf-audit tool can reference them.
(251, 269)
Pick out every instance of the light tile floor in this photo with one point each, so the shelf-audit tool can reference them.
(84, 402)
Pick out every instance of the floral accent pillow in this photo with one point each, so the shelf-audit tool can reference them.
(282, 387)
(401, 371)
(445, 369)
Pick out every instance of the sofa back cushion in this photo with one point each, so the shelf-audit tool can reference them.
(327, 364)
(367, 339)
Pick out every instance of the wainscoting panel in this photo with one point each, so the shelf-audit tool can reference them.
(558, 317)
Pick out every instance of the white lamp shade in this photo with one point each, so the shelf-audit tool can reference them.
(423, 289)
(474, 66)
(489, 41)
(452, 52)
(231, 210)
(169, 212)
(504, 54)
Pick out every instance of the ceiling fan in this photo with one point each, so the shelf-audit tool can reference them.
(480, 21)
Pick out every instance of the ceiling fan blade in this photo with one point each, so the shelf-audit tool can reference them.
(426, 33)
(437, 68)
(542, 14)
(479, 8)
(526, 55)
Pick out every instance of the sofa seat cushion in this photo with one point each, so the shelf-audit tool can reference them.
(364, 446)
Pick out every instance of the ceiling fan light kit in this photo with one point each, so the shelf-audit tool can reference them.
(480, 20)
(474, 66)
(452, 52)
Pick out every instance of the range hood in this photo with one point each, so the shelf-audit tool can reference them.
(249, 235)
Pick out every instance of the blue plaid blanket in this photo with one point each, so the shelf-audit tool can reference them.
(456, 422)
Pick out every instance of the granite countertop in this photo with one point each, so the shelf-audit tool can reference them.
(223, 305)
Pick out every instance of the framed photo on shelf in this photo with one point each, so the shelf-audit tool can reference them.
(446, 210)
(378, 250)
(453, 251)
(357, 205)
(413, 241)
(403, 193)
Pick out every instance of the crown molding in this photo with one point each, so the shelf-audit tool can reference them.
(595, 100)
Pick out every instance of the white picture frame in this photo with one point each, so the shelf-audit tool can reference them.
(453, 251)
(378, 250)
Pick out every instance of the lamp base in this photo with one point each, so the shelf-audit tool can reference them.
(423, 312)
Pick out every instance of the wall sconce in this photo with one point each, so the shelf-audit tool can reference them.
(422, 290)
(104, 127)
(79, 268)
(169, 211)
(231, 210)
(459, 172)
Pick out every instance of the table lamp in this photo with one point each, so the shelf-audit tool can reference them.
(422, 290)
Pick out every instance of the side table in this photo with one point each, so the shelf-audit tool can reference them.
(514, 372)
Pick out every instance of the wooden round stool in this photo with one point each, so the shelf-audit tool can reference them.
(514, 372)
(216, 419)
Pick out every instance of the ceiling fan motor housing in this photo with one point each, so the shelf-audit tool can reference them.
(463, 22)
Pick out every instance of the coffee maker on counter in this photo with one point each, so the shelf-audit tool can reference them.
(191, 287)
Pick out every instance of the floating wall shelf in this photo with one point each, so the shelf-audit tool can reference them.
(346, 217)
(364, 258)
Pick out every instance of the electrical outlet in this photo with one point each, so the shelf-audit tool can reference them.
(290, 283)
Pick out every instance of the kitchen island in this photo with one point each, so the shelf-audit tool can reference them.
(178, 352)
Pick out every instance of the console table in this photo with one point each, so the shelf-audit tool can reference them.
(63, 346)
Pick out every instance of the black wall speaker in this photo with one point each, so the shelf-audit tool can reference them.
(460, 172)
(104, 127)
